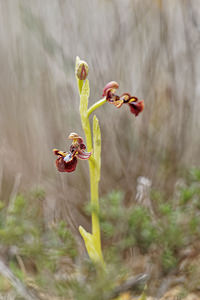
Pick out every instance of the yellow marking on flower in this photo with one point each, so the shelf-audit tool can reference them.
(57, 152)
(62, 153)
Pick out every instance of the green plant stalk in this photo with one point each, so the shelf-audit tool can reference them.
(95, 106)
(94, 177)
(92, 240)
(94, 184)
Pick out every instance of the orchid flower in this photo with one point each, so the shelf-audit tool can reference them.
(67, 161)
(136, 105)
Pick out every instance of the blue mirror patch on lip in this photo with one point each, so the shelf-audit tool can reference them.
(68, 157)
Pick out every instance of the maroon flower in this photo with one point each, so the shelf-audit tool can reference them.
(136, 106)
(67, 161)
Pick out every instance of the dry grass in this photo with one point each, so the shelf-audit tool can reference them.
(150, 47)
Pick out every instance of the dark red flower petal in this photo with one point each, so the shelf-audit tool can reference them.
(83, 154)
(112, 97)
(110, 86)
(136, 107)
(66, 166)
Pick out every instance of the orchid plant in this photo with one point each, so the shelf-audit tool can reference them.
(67, 161)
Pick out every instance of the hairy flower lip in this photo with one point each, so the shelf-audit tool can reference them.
(136, 107)
(110, 86)
(64, 166)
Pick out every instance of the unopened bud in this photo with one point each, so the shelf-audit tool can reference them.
(82, 70)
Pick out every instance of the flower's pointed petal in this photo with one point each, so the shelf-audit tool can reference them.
(125, 97)
(110, 86)
(110, 97)
(59, 153)
(118, 103)
(66, 166)
(73, 135)
(136, 107)
(83, 154)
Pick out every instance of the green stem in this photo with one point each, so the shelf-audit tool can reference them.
(87, 131)
(94, 188)
(95, 106)
(93, 240)
(94, 192)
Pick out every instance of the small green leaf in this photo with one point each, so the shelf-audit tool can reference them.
(91, 246)
(97, 146)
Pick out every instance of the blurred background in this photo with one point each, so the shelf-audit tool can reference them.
(150, 47)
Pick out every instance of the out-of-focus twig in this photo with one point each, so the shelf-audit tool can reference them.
(16, 283)
(130, 284)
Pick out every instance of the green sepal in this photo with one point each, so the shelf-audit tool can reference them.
(79, 82)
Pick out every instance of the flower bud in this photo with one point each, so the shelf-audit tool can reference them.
(82, 70)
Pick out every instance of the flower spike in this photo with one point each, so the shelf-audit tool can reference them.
(67, 161)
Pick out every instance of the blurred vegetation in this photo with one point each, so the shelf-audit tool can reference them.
(49, 254)
(27, 245)
(175, 225)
